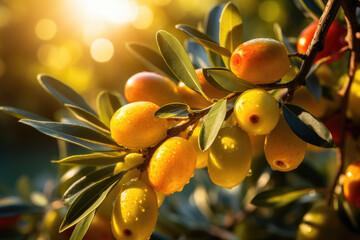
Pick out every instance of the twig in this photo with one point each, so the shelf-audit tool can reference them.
(353, 28)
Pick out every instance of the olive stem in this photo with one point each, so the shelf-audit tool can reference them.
(354, 46)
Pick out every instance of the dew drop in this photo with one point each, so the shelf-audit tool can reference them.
(250, 173)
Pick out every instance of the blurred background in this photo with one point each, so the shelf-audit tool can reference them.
(82, 43)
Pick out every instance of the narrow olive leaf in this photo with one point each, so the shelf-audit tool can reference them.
(280, 36)
(88, 117)
(89, 200)
(312, 82)
(309, 8)
(307, 127)
(204, 40)
(21, 114)
(230, 32)
(313, 85)
(68, 176)
(82, 227)
(178, 61)
(171, 110)
(226, 79)
(212, 22)
(63, 92)
(197, 54)
(107, 104)
(80, 135)
(92, 159)
(82, 183)
(151, 59)
(212, 124)
(212, 26)
(278, 197)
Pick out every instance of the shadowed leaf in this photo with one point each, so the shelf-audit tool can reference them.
(307, 127)
(21, 114)
(63, 92)
(89, 200)
(204, 40)
(88, 117)
(80, 135)
(197, 54)
(81, 184)
(309, 8)
(226, 79)
(278, 197)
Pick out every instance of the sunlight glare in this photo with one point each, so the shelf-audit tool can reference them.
(115, 11)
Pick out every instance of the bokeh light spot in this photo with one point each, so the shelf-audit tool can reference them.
(102, 50)
(269, 11)
(5, 16)
(45, 29)
(144, 19)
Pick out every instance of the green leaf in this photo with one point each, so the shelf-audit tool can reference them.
(82, 227)
(197, 54)
(151, 59)
(212, 22)
(212, 26)
(172, 110)
(21, 114)
(178, 61)
(107, 104)
(88, 117)
(280, 36)
(309, 8)
(278, 197)
(89, 200)
(69, 176)
(312, 82)
(63, 92)
(307, 127)
(226, 79)
(92, 159)
(80, 185)
(80, 135)
(212, 124)
(204, 40)
(230, 32)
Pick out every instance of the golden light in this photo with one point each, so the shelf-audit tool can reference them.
(56, 57)
(5, 16)
(102, 50)
(115, 11)
(45, 29)
(144, 19)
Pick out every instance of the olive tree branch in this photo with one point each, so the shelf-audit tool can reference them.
(316, 46)
(353, 41)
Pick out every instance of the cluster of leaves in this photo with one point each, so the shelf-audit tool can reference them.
(209, 48)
